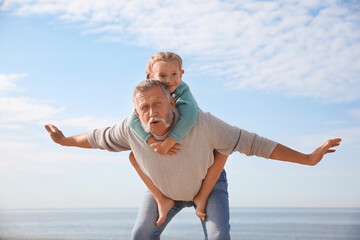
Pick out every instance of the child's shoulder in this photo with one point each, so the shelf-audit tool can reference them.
(183, 87)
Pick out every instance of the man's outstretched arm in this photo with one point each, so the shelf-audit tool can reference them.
(284, 153)
(73, 141)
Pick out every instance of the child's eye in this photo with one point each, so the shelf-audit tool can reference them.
(174, 74)
(162, 75)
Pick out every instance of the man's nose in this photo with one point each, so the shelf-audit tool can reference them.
(152, 112)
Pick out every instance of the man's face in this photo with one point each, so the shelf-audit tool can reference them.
(151, 105)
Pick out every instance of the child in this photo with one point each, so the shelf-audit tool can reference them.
(167, 67)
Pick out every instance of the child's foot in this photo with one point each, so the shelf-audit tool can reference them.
(200, 209)
(164, 207)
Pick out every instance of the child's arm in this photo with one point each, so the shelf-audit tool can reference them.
(164, 203)
(135, 125)
(211, 178)
(187, 106)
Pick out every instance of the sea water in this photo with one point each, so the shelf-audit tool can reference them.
(246, 224)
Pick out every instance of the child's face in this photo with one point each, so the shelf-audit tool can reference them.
(168, 73)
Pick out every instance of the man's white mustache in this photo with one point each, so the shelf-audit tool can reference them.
(157, 119)
(146, 126)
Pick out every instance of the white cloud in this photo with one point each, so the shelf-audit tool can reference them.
(15, 146)
(31, 152)
(84, 123)
(348, 136)
(297, 48)
(10, 126)
(355, 113)
(336, 122)
(7, 81)
(21, 109)
(14, 110)
(33, 159)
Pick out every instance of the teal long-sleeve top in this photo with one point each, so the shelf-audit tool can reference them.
(188, 108)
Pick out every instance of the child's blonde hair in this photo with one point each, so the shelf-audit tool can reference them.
(162, 56)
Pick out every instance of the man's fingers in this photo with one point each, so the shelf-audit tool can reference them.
(333, 142)
(330, 144)
(47, 127)
(51, 128)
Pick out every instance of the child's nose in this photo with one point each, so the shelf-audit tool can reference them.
(169, 80)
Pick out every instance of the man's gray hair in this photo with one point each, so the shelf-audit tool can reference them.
(149, 83)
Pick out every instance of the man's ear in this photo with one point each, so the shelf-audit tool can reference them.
(136, 112)
(172, 103)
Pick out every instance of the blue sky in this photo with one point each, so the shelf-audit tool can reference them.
(287, 70)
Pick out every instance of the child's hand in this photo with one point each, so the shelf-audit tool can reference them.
(172, 151)
(166, 147)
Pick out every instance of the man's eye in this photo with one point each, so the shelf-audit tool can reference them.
(145, 107)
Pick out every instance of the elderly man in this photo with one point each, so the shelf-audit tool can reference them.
(180, 176)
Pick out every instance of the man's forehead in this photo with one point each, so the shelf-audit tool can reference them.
(154, 92)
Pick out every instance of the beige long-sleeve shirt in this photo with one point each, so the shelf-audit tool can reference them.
(180, 176)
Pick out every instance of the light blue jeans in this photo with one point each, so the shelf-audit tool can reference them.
(216, 226)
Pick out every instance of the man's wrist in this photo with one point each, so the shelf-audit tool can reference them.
(310, 159)
(66, 141)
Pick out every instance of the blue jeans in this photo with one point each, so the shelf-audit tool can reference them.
(216, 226)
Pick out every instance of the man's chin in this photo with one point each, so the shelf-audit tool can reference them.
(157, 128)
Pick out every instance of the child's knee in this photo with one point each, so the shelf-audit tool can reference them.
(132, 157)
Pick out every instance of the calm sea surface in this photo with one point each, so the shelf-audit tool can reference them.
(246, 224)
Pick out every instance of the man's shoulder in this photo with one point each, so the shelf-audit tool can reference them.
(210, 121)
(122, 127)
(203, 118)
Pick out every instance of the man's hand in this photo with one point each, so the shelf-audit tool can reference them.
(74, 141)
(55, 134)
(319, 153)
(284, 153)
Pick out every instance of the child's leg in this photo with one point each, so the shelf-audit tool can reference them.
(210, 179)
(164, 203)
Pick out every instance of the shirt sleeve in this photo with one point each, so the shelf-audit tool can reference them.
(187, 106)
(227, 139)
(135, 125)
(113, 139)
